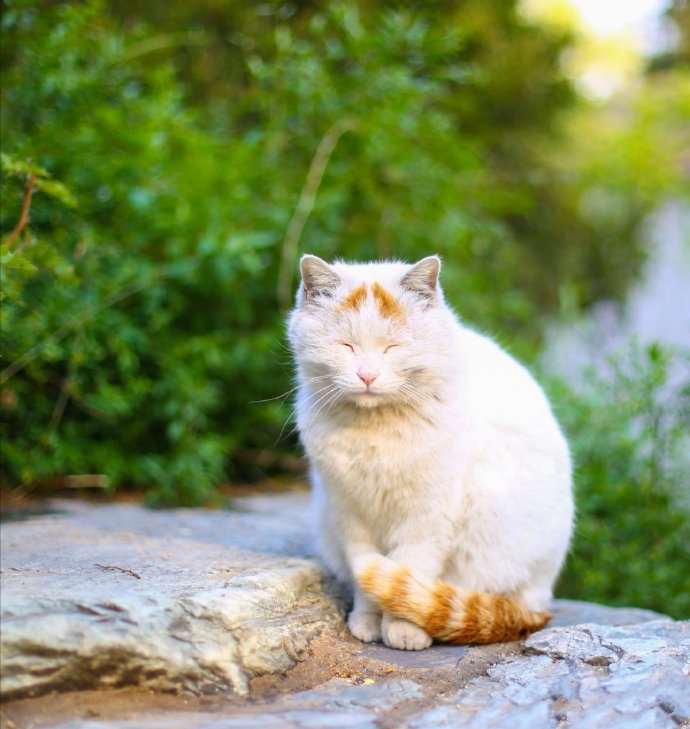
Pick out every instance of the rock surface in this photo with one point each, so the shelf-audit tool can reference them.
(588, 676)
(204, 602)
(183, 600)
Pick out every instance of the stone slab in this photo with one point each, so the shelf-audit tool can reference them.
(583, 677)
(180, 600)
(200, 602)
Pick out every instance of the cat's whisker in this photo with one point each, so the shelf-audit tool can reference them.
(290, 391)
(413, 394)
(319, 394)
(331, 396)
(277, 397)
(333, 400)
(319, 405)
(292, 411)
(282, 345)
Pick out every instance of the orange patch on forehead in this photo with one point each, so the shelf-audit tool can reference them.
(354, 299)
(387, 303)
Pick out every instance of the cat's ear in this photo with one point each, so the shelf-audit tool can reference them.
(422, 278)
(318, 278)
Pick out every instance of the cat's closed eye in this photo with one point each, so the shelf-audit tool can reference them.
(390, 346)
(348, 345)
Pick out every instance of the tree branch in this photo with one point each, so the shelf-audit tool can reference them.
(304, 207)
(24, 215)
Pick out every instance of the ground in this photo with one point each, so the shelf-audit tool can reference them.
(115, 616)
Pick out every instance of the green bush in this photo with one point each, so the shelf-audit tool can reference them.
(130, 350)
(628, 429)
(144, 299)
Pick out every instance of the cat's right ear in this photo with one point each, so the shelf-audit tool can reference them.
(422, 278)
(318, 278)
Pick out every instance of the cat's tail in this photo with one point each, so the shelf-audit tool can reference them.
(445, 612)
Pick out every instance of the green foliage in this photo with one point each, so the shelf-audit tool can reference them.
(678, 13)
(532, 214)
(443, 108)
(16, 266)
(121, 347)
(142, 314)
(634, 158)
(176, 175)
(629, 433)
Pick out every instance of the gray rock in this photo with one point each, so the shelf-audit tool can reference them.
(303, 719)
(587, 676)
(183, 600)
(574, 612)
(199, 602)
(341, 694)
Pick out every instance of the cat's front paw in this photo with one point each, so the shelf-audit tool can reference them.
(365, 626)
(404, 636)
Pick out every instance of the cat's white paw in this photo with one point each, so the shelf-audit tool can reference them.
(404, 635)
(365, 626)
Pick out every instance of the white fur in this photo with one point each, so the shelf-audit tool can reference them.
(452, 463)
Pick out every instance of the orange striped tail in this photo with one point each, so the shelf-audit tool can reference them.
(446, 613)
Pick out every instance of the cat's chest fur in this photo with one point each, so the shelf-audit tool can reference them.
(368, 456)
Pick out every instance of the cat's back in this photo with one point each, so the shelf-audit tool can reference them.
(498, 388)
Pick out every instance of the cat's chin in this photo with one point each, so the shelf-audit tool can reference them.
(368, 400)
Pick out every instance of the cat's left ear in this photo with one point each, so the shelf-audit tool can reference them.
(422, 278)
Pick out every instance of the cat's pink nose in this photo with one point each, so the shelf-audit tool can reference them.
(366, 377)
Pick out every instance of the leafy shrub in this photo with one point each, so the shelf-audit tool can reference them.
(144, 300)
(121, 348)
(628, 429)
(145, 297)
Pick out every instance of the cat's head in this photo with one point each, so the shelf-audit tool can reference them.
(370, 334)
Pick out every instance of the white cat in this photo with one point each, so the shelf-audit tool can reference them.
(441, 480)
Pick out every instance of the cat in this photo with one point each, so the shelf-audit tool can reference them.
(441, 480)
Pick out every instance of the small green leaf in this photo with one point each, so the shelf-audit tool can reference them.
(12, 262)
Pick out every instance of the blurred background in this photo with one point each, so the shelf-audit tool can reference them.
(165, 164)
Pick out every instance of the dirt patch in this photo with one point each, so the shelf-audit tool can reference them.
(103, 705)
(34, 500)
(329, 655)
